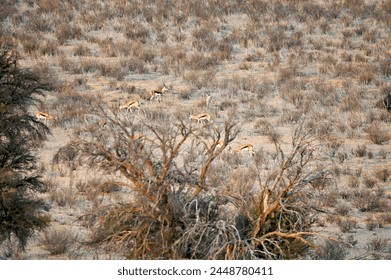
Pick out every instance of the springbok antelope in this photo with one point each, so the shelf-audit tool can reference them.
(387, 102)
(129, 105)
(44, 116)
(201, 118)
(245, 147)
(157, 93)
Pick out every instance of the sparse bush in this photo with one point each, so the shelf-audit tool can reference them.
(71, 107)
(331, 250)
(342, 209)
(204, 39)
(132, 64)
(383, 174)
(385, 67)
(378, 134)
(199, 79)
(30, 44)
(136, 32)
(378, 244)
(351, 103)
(69, 64)
(200, 61)
(67, 31)
(371, 223)
(276, 39)
(384, 218)
(87, 65)
(346, 224)
(291, 116)
(353, 182)
(82, 50)
(224, 49)
(360, 151)
(57, 241)
(116, 71)
(369, 182)
(371, 36)
(63, 196)
(368, 200)
(366, 77)
(263, 126)
(48, 48)
(383, 154)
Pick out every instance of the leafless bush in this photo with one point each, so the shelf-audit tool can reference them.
(48, 47)
(342, 209)
(87, 65)
(385, 67)
(369, 182)
(30, 43)
(134, 64)
(245, 66)
(273, 135)
(371, 223)
(82, 50)
(360, 151)
(378, 244)
(263, 126)
(351, 103)
(199, 79)
(292, 94)
(67, 31)
(384, 218)
(176, 208)
(71, 107)
(369, 200)
(378, 134)
(346, 224)
(201, 61)
(286, 74)
(204, 39)
(371, 36)
(366, 77)
(383, 154)
(276, 39)
(382, 174)
(291, 116)
(331, 250)
(63, 196)
(346, 194)
(69, 64)
(224, 49)
(57, 241)
(326, 94)
(116, 70)
(353, 182)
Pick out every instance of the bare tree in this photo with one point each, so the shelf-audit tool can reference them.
(164, 163)
(178, 209)
(262, 211)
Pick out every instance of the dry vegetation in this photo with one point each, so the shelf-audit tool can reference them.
(302, 81)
